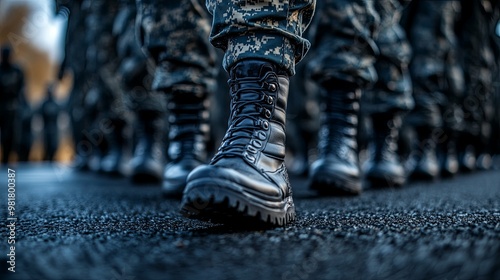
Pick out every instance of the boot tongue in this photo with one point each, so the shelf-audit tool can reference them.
(250, 68)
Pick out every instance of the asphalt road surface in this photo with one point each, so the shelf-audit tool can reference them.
(86, 226)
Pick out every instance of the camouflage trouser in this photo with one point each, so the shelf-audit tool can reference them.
(357, 39)
(175, 35)
(261, 29)
(343, 43)
(436, 74)
(393, 89)
(132, 72)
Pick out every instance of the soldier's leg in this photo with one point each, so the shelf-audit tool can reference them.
(452, 113)
(148, 107)
(8, 132)
(175, 35)
(495, 135)
(114, 112)
(247, 177)
(342, 67)
(479, 68)
(100, 126)
(390, 97)
(428, 70)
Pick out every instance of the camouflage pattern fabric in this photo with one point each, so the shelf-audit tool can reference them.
(343, 43)
(175, 35)
(360, 43)
(393, 89)
(132, 72)
(261, 29)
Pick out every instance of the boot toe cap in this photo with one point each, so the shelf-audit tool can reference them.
(249, 181)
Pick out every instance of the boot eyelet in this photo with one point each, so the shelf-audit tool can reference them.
(273, 87)
(261, 135)
(267, 113)
(252, 149)
(257, 144)
(249, 157)
(265, 125)
(270, 100)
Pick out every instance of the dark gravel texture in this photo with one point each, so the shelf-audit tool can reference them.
(87, 226)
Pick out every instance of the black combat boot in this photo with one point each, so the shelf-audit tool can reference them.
(148, 161)
(384, 168)
(188, 133)
(484, 162)
(466, 153)
(448, 160)
(111, 162)
(425, 160)
(247, 181)
(337, 171)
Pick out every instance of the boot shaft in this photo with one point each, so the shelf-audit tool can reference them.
(339, 124)
(385, 136)
(149, 133)
(188, 121)
(256, 132)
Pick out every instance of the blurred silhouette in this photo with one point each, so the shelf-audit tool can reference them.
(49, 112)
(11, 88)
(25, 132)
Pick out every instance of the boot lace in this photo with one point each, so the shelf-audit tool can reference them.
(250, 113)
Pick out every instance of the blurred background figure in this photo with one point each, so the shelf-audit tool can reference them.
(35, 33)
(11, 91)
(25, 130)
(49, 112)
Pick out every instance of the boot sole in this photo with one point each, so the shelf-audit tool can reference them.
(145, 178)
(335, 185)
(143, 175)
(423, 177)
(226, 202)
(173, 188)
(382, 182)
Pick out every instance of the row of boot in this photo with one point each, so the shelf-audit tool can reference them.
(247, 176)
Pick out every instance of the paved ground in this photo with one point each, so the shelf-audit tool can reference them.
(83, 226)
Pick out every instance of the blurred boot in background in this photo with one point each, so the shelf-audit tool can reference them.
(390, 99)
(342, 65)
